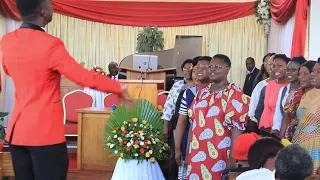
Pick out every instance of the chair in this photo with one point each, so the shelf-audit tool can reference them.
(111, 99)
(162, 98)
(73, 100)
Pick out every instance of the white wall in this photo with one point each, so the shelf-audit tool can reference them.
(314, 30)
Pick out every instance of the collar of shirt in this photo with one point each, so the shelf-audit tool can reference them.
(252, 70)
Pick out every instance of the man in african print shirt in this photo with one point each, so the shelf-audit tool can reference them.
(219, 115)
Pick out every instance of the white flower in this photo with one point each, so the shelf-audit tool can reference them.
(128, 144)
(141, 137)
(115, 136)
(111, 146)
(150, 151)
(131, 135)
(119, 138)
(130, 132)
(136, 155)
(115, 152)
(129, 125)
(141, 143)
(154, 142)
(135, 124)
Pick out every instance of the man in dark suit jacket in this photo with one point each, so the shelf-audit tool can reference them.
(253, 72)
(114, 72)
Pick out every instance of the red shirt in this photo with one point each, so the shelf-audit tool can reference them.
(36, 60)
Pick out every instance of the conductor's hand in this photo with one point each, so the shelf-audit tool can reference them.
(126, 99)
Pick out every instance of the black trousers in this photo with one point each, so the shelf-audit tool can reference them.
(40, 162)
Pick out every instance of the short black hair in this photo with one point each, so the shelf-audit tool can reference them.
(318, 60)
(309, 65)
(186, 62)
(29, 8)
(251, 58)
(299, 60)
(205, 58)
(224, 58)
(293, 163)
(195, 60)
(282, 57)
(261, 150)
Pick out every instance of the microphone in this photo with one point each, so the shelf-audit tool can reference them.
(141, 78)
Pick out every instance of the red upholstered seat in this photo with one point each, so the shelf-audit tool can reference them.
(74, 100)
(111, 99)
(162, 97)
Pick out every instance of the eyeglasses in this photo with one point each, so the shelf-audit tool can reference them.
(216, 66)
(293, 70)
(186, 69)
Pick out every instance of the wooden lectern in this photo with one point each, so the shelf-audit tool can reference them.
(144, 89)
(91, 154)
(134, 74)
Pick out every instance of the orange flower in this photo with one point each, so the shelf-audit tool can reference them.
(128, 149)
(141, 151)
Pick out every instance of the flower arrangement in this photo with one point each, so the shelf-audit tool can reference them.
(136, 133)
(98, 70)
(262, 8)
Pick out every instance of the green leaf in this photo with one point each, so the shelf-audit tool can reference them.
(150, 39)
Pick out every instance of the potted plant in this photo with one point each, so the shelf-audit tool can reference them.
(150, 39)
(2, 129)
(134, 135)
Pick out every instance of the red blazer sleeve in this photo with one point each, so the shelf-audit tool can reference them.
(60, 60)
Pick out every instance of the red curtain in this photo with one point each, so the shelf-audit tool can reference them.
(282, 10)
(163, 14)
(300, 28)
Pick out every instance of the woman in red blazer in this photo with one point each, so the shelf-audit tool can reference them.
(36, 60)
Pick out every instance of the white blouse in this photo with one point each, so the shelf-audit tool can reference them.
(255, 99)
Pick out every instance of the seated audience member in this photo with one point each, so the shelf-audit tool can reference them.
(272, 91)
(261, 159)
(240, 153)
(293, 163)
(114, 72)
(287, 93)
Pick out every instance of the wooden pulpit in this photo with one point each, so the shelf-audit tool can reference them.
(144, 89)
(134, 74)
(91, 154)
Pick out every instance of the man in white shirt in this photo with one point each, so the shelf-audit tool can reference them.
(114, 72)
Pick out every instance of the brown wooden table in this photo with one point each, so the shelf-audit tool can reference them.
(6, 168)
(91, 154)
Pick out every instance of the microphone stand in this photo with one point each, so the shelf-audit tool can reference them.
(141, 78)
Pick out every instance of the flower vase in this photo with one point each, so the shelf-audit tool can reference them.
(137, 170)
